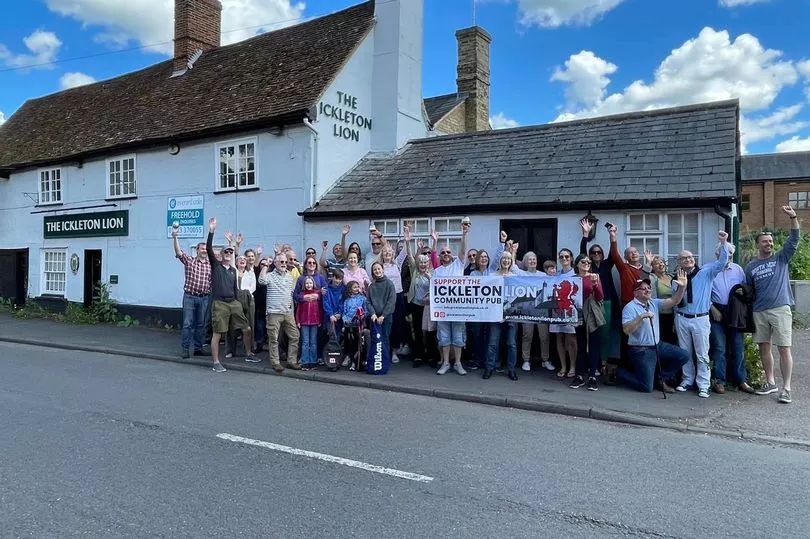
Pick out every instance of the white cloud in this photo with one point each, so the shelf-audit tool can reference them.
(804, 70)
(43, 46)
(556, 13)
(2, 118)
(709, 67)
(151, 22)
(500, 121)
(794, 144)
(74, 79)
(736, 3)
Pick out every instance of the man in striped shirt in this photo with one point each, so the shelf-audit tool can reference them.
(280, 314)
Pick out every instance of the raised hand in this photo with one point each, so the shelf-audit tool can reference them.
(324, 244)
(259, 251)
(277, 247)
(435, 236)
(612, 231)
(722, 235)
(407, 233)
(175, 230)
(789, 211)
(229, 237)
(465, 227)
(239, 238)
(514, 248)
(504, 236)
(212, 224)
(347, 229)
(586, 226)
(649, 255)
(420, 244)
(594, 277)
(681, 278)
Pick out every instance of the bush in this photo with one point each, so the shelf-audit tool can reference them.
(103, 309)
(799, 264)
(753, 364)
(75, 313)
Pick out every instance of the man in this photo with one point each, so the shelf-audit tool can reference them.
(692, 322)
(196, 289)
(472, 254)
(629, 268)
(338, 259)
(724, 338)
(773, 319)
(227, 312)
(640, 322)
(452, 334)
(376, 248)
(280, 316)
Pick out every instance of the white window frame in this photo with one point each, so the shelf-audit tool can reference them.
(50, 196)
(662, 233)
(235, 144)
(108, 174)
(454, 238)
(46, 284)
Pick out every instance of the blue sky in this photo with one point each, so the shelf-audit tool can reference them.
(551, 59)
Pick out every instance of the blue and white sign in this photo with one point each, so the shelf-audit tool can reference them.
(189, 213)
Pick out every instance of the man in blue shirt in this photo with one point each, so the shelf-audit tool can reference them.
(773, 320)
(640, 322)
(692, 322)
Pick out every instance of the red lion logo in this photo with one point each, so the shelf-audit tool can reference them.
(565, 293)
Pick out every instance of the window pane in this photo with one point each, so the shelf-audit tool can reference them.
(654, 245)
(636, 222)
(802, 196)
(440, 225)
(651, 221)
(674, 223)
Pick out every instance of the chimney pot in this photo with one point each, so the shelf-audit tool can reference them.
(197, 26)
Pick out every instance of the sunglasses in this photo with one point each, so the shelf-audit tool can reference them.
(445, 253)
(311, 263)
(376, 244)
(596, 253)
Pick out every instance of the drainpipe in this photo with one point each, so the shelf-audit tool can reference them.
(728, 219)
(313, 155)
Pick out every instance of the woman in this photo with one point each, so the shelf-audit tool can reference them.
(662, 289)
(565, 333)
(246, 285)
(505, 267)
(589, 333)
(530, 268)
(480, 330)
(424, 331)
(355, 272)
(392, 266)
(382, 298)
(354, 247)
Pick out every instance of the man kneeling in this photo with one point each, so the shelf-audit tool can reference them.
(640, 323)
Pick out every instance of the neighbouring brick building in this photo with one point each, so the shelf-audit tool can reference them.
(769, 181)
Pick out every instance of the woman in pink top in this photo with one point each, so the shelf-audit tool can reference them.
(354, 272)
(308, 316)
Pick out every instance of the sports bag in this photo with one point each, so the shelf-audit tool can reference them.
(333, 350)
(379, 355)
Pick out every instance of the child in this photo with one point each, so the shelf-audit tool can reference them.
(308, 314)
(333, 304)
(353, 300)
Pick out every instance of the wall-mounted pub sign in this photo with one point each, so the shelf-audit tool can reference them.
(87, 225)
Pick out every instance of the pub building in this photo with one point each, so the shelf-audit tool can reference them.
(289, 135)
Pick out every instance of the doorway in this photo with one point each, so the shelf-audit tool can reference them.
(538, 235)
(14, 275)
(92, 274)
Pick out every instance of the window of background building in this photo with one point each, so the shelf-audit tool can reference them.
(121, 177)
(667, 233)
(50, 186)
(746, 202)
(798, 200)
(54, 271)
(237, 165)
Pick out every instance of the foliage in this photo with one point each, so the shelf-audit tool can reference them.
(103, 309)
(799, 264)
(753, 364)
(75, 313)
(127, 321)
(30, 310)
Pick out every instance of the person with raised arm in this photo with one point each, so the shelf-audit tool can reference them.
(196, 295)
(452, 334)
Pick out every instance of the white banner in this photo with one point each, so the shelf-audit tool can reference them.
(463, 299)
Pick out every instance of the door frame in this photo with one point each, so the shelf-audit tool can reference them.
(547, 222)
(89, 267)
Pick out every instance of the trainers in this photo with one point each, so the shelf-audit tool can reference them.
(592, 384)
(252, 359)
(766, 389)
(578, 382)
(346, 361)
(218, 367)
(681, 388)
(405, 350)
(184, 355)
(228, 355)
(548, 365)
(459, 368)
(703, 393)
(784, 397)
(352, 367)
(526, 366)
(443, 369)
(394, 358)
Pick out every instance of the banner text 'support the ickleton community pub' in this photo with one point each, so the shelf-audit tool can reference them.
(555, 299)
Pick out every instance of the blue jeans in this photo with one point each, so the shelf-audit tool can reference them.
(309, 345)
(195, 309)
(493, 357)
(643, 362)
(721, 339)
(479, 331)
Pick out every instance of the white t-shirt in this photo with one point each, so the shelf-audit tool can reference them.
(453, 269)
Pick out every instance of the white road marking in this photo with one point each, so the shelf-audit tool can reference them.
(328, 458)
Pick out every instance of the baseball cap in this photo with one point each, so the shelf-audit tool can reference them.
(640, 282)
(227, 250)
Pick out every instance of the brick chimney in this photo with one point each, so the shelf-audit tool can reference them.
(473, 75)
(197, 26)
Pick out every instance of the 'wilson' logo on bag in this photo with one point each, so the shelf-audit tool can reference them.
(378, 360)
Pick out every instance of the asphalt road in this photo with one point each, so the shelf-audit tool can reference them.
(102, 445)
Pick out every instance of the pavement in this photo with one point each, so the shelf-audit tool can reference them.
(105, 445)
(735, 414)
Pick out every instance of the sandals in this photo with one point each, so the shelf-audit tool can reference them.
(560, 374)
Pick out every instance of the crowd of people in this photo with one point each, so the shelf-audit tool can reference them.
(675, 331)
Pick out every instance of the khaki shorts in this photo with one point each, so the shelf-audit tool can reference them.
(774, 326)
(228, 315)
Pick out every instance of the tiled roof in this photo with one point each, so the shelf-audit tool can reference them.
(775, 166)
(685, 156)
(267, 79)
(439, 106)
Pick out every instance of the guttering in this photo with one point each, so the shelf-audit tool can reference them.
(726, 217)
(313, 154)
